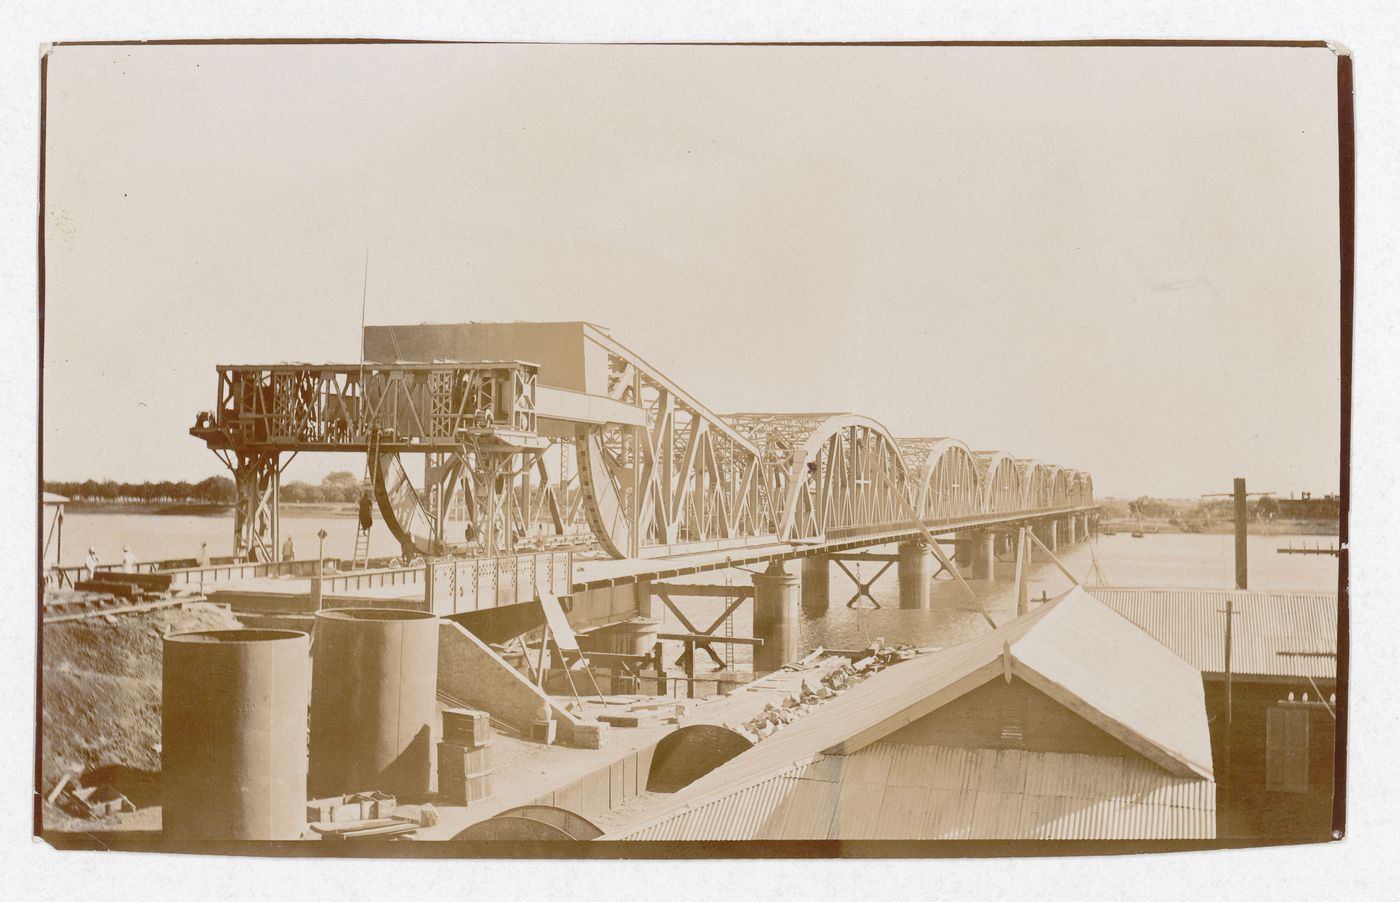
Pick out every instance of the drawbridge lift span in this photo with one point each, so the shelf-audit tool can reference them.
(548, 434)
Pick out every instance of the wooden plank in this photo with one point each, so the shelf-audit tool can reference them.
(865, 556)
(118, 609)
(705, 639)
(702, 591)
(1053, 559)
(558, 623)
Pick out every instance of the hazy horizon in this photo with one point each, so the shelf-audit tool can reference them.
(1122, 260)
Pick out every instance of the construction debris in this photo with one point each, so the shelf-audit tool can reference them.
(368, 828)
(871, 660)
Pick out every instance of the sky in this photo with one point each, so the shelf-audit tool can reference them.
(1123, 260)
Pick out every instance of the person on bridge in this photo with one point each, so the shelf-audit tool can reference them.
(366, 511)
(203, 559)
(128, 559)
(91, 562)
(289, 552)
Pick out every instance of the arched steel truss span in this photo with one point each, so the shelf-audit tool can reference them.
(592, 445)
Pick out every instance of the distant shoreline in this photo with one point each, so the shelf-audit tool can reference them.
(1226, 527)
(200, 509)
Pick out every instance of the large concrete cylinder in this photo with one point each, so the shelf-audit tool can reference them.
(963, 548)
(816, 584)
(233, 735)
(915, 576)
(1054, 543)
(1073, 530)
(373, 697)
(776, 614)
(985, 556)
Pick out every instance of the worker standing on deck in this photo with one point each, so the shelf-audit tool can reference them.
(289, 552)
(128, 559)
(91, 562)
(203, 559)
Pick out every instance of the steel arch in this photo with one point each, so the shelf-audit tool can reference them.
(833, 475)
(947, 479)
(1001, 482)
(1036, 484)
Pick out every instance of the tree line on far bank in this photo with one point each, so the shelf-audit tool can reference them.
(338, 487)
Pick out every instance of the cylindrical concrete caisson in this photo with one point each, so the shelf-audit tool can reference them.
(776, 619)
(373, 694)
(233, 735)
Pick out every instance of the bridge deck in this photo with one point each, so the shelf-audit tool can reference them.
(295, 592)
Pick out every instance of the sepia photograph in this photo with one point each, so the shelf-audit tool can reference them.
(501, 450)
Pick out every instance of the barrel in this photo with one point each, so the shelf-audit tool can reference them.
(233, 735)
(373, 701)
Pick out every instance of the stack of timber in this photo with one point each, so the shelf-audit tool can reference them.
(109, 593)
(464, 756)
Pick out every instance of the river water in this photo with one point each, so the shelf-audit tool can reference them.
(156, 537)
(1155, 560)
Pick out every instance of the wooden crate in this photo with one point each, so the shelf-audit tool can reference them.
(456, 759)
(464, 789)
(466, 726)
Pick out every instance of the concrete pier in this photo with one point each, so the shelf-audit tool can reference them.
(915, 575)
(1073, 530)
(1054, 543)
(962, 550)
(776, 614)
(816, 584)
(985, 556)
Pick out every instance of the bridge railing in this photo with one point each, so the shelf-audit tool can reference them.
(456, 586)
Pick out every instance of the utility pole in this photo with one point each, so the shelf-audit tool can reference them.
(1241, 543)
(1241, 498)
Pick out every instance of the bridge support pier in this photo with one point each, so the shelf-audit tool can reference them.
(915, 575)
(985, 556)
(816, 584)
(257, 479)
(963, 549)
(1073, 529)
(1054, 543)
(776, 614)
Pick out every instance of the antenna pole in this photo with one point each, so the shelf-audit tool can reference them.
(364, 300)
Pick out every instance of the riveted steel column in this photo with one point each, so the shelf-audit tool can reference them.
(816, 583)
(373, 701)
(776, 614)
(233, 735)
(915, 575)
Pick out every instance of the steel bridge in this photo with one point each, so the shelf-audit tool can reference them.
(588, 445)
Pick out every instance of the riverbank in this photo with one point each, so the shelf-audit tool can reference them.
(199, 509)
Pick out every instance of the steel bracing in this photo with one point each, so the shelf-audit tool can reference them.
(635, 466)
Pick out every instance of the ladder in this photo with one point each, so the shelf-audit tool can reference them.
(360, 561)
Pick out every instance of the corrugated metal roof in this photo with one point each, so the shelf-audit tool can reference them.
(1074, 649)
(1275, 634)
(1121, 680)
(893, 791)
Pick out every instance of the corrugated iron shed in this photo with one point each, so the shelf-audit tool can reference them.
(890, 791)
(831, 776)
(1275, 634)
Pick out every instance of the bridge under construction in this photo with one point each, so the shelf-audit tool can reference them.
(555, 459)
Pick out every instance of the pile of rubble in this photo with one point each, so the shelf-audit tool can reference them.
(774, 717)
